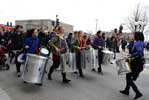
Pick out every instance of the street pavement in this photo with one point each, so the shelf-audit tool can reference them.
(93, 86)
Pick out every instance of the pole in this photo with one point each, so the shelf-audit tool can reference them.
(96, 25)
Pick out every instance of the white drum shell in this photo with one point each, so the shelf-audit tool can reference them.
(89, 58)
(123, 67)
(68, 62)
(34, 69)
(107, 56)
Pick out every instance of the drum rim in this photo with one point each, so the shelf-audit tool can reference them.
(37, 56)
(107, 51)
(120, 59)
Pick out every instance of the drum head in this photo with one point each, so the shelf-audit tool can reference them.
(44, 51)
(107, 52)
(20, 58)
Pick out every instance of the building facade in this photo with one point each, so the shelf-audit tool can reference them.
(42, 23)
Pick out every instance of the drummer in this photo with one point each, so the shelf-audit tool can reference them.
(79, 43)
(136, 63)
(17, 45)
(59, 46)
(99, 44)
(31, 43)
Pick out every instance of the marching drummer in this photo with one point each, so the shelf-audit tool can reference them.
(79, 43)
(31, 43)
(59, 46)
(136, 64)
(99, 43)
(17, 45)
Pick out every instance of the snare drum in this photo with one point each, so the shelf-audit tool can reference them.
(90, 59)
(107, 56)
(68, 62)
(34, 69)
(123, 66)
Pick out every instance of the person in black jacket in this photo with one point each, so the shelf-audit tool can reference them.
(17, 40)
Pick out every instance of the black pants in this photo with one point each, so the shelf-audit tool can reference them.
(56, 63)
(100, 57)
(123, 47)
(137, 65)
(18, 65)
(114, 52)
(130, 83)
(78, 62)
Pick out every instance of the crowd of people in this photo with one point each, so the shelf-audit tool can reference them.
(16, 42)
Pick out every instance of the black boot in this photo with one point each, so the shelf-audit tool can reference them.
(49, 77)
(100, 70)
(138, 95)
(65, 80)
(124, 92)
(81, 73)
(50, 72)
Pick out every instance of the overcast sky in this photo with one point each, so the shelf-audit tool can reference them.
(80, 13)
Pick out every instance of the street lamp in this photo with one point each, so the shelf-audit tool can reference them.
(96, 25)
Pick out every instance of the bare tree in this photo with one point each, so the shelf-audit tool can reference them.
(139, 20)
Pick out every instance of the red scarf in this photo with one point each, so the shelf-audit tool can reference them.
(81, 43)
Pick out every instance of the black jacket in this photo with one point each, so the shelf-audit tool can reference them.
(17, 41)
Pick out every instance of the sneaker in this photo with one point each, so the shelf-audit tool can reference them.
(124, 92)
(18, 74)
(99, 70)
(66, 80)
(138, 96)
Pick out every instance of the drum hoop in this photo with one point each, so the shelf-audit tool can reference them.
(47, 52)
(37, 56)
(109, 52)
